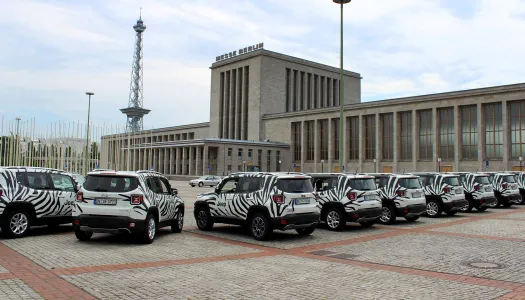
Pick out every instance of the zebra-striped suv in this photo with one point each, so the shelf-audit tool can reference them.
(347, 198)
(520, 179)
(506, 189)
(262, 202)
(443, 193)
(478, 191)
(401, 196)
(34, 196)
(138, 203)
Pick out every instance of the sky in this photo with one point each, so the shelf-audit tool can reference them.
(54, 51)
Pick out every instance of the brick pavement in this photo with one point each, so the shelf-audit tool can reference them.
(429, 259)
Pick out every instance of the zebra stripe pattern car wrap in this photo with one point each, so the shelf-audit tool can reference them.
(498, 183)
(47, 203)
(520, 179)
(436, 188)
(391, 192)
(339, 194)
(469, 186)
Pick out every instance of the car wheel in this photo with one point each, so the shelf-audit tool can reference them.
(468, 207)
(259, 227)
(452, 213)
(367, 224)
(203, 218)
(178, 223)
(192, 185)
(412, 219)
(434, 209)
(335, 219)
(388, 215)
(148, 235)
(305, 231)
(495, 204)
(83, 235)
(483, 208)
(201, 184)
(17, 223)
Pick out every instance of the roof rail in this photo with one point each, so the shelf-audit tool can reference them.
(149, 171)
(25, 167)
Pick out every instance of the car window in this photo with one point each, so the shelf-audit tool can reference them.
(295, 185)
(509, 179)
(325, 184)
(250, 184)
(20, 178)
(164, 185)
(423, 180)
(363, 184)
(383, 181)
(154, 185)
(462, 178)
(113, 184)
(409, 183)
(229, 185)
(482, 180)
(38, 181)
(491, 178)
(62, 182)
(453, 181)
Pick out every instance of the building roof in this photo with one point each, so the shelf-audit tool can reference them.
(162, 129)
(204, 141)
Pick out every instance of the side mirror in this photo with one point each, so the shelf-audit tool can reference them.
(174, 192)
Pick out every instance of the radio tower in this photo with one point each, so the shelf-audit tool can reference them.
(135, 112)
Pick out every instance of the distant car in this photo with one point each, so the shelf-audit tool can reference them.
(208, 180)
(506, 189)
(78, 178)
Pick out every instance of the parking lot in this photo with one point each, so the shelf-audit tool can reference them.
(467, 256)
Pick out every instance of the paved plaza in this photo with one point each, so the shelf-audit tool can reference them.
(467, 256)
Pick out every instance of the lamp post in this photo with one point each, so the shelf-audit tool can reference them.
(17, 145)
(341, 89)
(86, 154)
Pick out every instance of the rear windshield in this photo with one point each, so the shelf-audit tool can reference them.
(453, 181)
(410, 183)
(364, 184)
(509, 179)
(482, 180)
(110, 184)
(295, 185)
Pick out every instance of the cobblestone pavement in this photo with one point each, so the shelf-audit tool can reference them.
(467, 256)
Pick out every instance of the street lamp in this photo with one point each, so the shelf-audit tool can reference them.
(341, 89)
(86, 155)
(17, 146)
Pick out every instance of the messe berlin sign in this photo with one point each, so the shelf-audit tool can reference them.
(240, 51)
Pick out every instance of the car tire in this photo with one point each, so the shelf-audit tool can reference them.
(305, 231)
(468, 207)
(412, 219)
(16, 224)
(150, 230)
(203, 219)
(367, 224)
(201, 184)
(388, 215)
(260, 227)
(335, 219)
(434, 209)
(192, 185)
(178, 223)
(452, 213)
(83, 235)
(483, 208)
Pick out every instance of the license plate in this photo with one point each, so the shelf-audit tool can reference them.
(302, 201)
(416, 195)
(370, 197)
(488, 189)
(459, 191)
(105, 201)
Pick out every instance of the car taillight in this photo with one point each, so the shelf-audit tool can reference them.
(446, 190)
(504, 185)
(80, 197)
(315, 194)
(351, 196)
(477, 187)
(401, 193)
(279, 199)
(0, 193)
(137, 199)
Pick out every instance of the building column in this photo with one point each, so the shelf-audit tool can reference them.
(185, 153)
(435, 137)
(177, 161)
(506, 134)
(231, 126)
(481, 138)
(330, 148)
(244, 103)
(457, 138)
(415, 140)
(362, 155)
(144, 159)
(316, 144)
(170, 163)
(396, 137)
(379, 143)
(198, 167)
(191, 161)
(303, 145)
(161, 161)
(238, 105)
(205, 160)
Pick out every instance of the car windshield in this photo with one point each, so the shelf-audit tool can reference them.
(410, 183)
(80, 179)
(453, 181)
(509, 179)
(111, 184)
(363, 184)
(482, 179)
(293, 185)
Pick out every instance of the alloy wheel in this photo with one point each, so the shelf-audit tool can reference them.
(432, 208)
(258, 227)
(202, 218)
(333, 219)
(19, 223)
(151, 228)
(386, 215)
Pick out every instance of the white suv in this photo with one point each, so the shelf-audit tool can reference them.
(132, 202)
(34, 196)
(262, 202)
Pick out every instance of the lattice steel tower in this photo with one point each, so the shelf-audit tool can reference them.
(135, 112)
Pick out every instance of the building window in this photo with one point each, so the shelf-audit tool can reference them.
(517, 128)
(335, 96)
(230, 152)
(469, 132)
(425, 135)
(246, 100)
(278, 161)
(323, 81)
(268, 160)
(259, 159)
(328, 92)
(446, 133)
(294, 91)
(309, 91)
(288, 89)
(370, 136)
(316, 90)
(229, 168)
(250, 154)
(493, 130)
(296, 141)
(240, 154)
(406, 135)
(239, 168)
(388, 132)
(301, 93)
(335, 144)
(353, 138)
(323, 139)
(310, 140)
